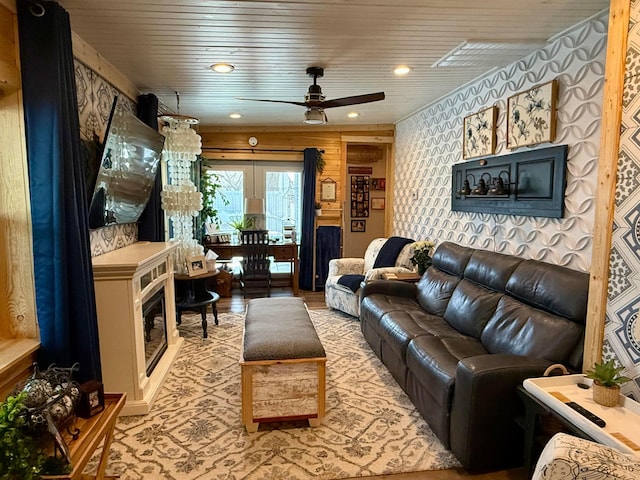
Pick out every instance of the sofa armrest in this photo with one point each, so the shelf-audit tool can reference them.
(376, 273)
(394, 288)
(483, 431)
(345, 266)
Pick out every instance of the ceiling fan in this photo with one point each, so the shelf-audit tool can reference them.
(315, 101)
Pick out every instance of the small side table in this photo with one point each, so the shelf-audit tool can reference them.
(192, 295)
(96, 431)
(409, 277)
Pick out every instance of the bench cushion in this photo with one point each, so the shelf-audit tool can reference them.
(279, 329)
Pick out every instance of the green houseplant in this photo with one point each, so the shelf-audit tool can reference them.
(210, 187)
(606, 382)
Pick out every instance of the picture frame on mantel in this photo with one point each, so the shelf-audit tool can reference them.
(480, 133)
(531, 116)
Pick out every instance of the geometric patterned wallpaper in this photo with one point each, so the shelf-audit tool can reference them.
(429, 142)
(95, 97)
(622, 326)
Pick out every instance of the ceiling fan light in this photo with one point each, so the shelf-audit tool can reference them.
(314, 116)
(222, 67)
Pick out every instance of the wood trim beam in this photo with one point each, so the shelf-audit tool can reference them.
(607, 169)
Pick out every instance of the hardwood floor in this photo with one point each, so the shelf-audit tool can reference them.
(315, 300)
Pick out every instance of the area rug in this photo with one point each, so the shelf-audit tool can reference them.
(194, 430)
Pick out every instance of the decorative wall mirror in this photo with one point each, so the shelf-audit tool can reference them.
(328, 190)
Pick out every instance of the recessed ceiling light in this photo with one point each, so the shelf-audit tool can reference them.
(353, 114)
(235, 115)
(402, 69)
(222, 67)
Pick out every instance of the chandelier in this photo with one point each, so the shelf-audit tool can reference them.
(181, 198)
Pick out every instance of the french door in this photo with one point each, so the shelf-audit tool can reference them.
(279, 183)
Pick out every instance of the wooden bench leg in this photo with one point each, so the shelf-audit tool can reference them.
(251, 427)
(315, 422)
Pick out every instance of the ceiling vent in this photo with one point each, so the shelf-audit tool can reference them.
(480, 53)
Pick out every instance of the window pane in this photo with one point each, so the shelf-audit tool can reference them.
(283, 199)
(232, 187)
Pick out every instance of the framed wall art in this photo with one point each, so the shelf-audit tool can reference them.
(328, 190)
(378, 183)
(358, 225)
(359, 196)
(531, 116)
(377, 204)
(480, 133)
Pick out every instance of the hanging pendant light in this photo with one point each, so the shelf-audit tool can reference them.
(181, 198)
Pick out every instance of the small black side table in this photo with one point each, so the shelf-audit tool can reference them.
(192, 295)
(535, 411)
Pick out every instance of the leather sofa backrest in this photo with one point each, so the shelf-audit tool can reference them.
(491, 269)
(470, 307)
(451, 258)
(552, 288)
(513, 305)
(520, 329)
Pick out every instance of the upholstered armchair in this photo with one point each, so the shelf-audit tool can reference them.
(345, 298)
(571, 458)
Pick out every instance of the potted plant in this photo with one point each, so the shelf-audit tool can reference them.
(318, 207)
(422, 255)
(606, 382)
(22, 456)
(209, 187)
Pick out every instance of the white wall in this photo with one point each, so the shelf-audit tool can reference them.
(429, 142)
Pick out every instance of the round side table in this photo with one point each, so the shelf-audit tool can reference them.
(192, 295)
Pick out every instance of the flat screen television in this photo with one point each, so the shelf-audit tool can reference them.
(128, 167)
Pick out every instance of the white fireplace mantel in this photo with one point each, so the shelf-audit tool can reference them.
(123, 280)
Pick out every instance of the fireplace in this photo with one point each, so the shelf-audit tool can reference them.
(139, 341)
(154, 321)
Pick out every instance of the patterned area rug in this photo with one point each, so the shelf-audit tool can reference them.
(194, 430)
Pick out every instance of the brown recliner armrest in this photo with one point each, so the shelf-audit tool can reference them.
(483, 431)
(394, 288)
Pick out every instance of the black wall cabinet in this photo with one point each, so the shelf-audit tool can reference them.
(530, 183)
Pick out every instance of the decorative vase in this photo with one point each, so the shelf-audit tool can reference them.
(606, 396)
(318, 212)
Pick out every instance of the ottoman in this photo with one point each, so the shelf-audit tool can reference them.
(282, 364)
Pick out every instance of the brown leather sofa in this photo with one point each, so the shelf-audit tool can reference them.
(467, 334)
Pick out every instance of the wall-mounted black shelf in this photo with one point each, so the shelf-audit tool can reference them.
(533, 181)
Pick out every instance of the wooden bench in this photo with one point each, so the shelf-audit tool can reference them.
(282, 364)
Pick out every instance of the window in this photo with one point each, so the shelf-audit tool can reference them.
(279, 183)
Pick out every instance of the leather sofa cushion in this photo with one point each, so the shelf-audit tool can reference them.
(554, 289)
(471, 307)
(433, 362)
(374, 306)
(519, 329)
(399, 328)
(491, 269)
(451, 258)
(434, 290)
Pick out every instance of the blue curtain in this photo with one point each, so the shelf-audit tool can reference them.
(65, 297)
(151, 223)
(327, 248)
(308, 211)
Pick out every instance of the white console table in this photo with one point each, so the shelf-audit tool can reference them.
(123, 280)
(622, 430)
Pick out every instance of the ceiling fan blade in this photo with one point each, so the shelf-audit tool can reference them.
(343, 102)
(302, 104)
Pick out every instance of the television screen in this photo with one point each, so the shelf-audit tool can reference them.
(129, 164)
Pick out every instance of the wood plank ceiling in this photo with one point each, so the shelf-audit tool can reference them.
(167, 46)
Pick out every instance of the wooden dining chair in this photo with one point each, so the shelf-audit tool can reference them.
(255, 267)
